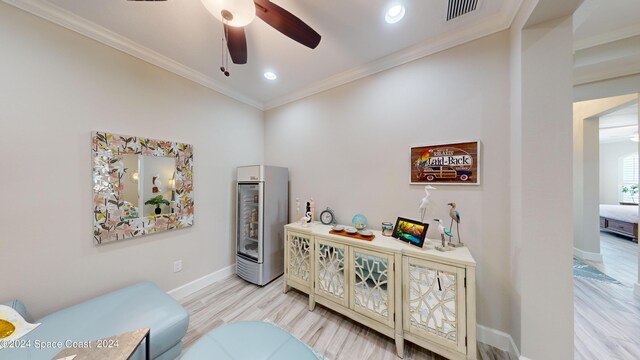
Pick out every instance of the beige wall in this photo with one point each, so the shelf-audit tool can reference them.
(591, 185)
(541, 298)
(610, 155)
(57, 87)
(349, 149)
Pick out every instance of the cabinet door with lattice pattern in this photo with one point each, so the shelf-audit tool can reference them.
(299, 258)
(372, 285)
(331, 261)
(434, 302)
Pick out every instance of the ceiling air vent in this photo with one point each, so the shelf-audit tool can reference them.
(458, 8)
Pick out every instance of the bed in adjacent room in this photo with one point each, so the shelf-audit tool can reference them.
(620, 219)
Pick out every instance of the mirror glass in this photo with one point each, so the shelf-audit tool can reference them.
(129, 191)
(148, 185)
(157, 184)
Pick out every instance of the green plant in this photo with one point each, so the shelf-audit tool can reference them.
(157, 201)
(632, 190)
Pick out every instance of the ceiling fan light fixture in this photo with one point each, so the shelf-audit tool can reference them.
(394, 13)
(235, 13)
(269, 75)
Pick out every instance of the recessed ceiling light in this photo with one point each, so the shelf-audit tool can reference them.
(394, 14)
(270, 75)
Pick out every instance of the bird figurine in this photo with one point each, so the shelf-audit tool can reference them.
(455, 216)
(447, 232)
(443, 231)
(424, 202)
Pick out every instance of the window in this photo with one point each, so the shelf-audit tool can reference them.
(629, 178)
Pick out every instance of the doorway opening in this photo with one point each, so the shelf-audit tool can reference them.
(605, 264)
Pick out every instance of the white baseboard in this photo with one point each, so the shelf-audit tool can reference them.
(636, 289)
(498, 339)
(187, 289)
(524, 358)
(585, 255)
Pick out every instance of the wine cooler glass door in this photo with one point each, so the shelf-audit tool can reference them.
(249, 231)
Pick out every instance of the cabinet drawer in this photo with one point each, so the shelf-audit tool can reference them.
(620, 226)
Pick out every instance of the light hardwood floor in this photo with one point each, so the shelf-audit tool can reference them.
(333, 335)
(607, 316)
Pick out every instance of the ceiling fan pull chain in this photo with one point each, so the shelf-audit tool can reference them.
(227, 72)
(222, 53)
(225, 55)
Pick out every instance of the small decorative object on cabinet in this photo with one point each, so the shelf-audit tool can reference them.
(308, 217)
(411, 232)
(387, 229)
(424, 202)
(401, 291)
(443, 232)
(327, 217)
(455, 216)
(312, 207)
(359, 221)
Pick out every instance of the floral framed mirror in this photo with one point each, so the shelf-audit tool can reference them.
(140, 186)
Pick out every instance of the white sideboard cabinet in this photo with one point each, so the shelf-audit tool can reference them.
(423, 296)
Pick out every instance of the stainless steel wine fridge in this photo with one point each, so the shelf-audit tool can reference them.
(263, 210)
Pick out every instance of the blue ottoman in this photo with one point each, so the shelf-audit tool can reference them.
(142, 305)
(249, 340)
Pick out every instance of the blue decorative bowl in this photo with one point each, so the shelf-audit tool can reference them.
(359, 221)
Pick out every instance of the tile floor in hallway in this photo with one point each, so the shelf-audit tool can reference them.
(607, 316)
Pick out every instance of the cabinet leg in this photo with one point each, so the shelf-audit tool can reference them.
(312, 303)
(286, 287)
(400, 346)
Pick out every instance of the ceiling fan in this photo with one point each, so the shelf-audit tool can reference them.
(236, 14)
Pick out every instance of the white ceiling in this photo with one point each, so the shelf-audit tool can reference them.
(606, 40)
(601, 21)
(619, 125)
(181, 36)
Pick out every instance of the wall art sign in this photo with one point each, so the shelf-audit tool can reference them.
(447, 164)
(140, 186)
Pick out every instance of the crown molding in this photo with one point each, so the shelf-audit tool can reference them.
(73, 22)
(608, 37)
(490, 25)
(605, 71)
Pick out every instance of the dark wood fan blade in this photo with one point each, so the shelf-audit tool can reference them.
(287, 23)
(237, 44)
